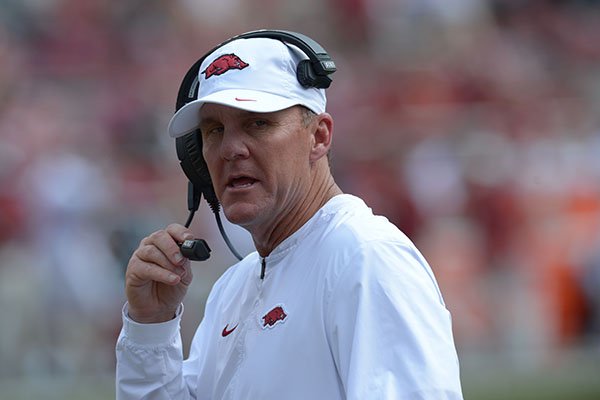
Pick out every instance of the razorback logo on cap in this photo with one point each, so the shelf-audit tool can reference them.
(272, 317)
(223, 64)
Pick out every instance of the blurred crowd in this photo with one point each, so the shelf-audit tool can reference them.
(474, 125)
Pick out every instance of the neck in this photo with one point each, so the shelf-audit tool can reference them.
(319, 194)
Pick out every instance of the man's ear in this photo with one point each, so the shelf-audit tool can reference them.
(322, 132)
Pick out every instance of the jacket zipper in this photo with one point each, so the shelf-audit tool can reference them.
(263, 267)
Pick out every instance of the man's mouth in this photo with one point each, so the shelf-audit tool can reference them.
(241, 182)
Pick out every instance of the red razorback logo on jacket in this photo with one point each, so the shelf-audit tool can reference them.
(271, 318)
(223, 64)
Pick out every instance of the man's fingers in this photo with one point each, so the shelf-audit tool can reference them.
(159, 258)
(140, 273)
(186, 274)
(168, 246)
(179, 232)
(152, 254)
(167, 242)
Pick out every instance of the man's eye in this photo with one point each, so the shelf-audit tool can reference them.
(213, 131)
(258, 123)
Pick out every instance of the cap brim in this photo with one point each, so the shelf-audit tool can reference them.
(187, 118)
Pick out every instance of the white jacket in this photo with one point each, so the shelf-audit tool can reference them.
(348, 309)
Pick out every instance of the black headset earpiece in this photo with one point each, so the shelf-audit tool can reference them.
(189, 152)
(313, 72)
(189, 147)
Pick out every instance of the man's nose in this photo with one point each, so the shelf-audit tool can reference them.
(233, 145)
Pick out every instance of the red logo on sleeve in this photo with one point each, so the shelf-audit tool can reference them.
(223, 64)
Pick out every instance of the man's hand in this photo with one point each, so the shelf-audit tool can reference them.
(158, 276)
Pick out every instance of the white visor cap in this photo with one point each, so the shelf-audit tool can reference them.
(256, 74)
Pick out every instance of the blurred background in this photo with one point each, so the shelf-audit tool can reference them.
(474, 125)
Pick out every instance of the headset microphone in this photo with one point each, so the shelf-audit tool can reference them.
(196, 249)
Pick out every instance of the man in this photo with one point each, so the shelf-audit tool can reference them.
(336, 303)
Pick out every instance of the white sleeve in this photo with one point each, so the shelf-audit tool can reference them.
(149, 361)
(389, 329)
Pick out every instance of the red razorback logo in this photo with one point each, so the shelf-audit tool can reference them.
(223, 64)
(271, 318)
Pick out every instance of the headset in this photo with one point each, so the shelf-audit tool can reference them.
(313, 72)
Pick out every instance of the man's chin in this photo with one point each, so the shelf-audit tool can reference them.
(241, 214)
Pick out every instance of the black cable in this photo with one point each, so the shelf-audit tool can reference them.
(222, 230)
(193, 203)
(190, 218)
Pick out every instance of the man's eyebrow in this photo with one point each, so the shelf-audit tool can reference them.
(208, 120)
